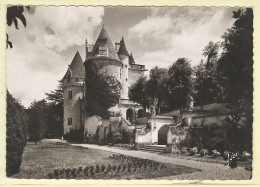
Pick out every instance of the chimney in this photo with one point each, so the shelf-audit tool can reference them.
(117, 45)
(86, 46)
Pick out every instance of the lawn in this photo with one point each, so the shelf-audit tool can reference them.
(42, 159)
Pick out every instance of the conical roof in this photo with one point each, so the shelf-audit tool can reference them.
(122, 48)
(131, 59)
(76, 68)
(104, 40)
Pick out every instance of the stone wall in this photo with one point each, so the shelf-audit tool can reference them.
(124, 79)
(134, 75)
(109, 66)
(72, 107)
(91, 124)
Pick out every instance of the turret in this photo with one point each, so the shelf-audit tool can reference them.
(73, 87)
(86, 47)
(124, 57)
(122, 52)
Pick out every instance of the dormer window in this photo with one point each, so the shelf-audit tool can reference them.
(103, 51)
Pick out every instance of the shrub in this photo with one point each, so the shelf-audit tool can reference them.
(16, 135)
(74, 135)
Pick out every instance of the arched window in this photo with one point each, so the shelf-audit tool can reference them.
(130, 114)
(68, 78)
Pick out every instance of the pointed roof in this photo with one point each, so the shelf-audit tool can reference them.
(122, 49)
(102, 41)
(131, 59)
(76, 67)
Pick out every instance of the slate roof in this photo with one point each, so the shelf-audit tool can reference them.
(122, 48)
(131, 59)
(102, 41)
(76, 68)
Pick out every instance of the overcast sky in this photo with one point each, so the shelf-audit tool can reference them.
(43, 50)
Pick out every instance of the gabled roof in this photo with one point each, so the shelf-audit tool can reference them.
(76, 68)
(122, 48)
(102, 41)
(131, 59)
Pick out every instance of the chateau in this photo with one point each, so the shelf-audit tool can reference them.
(164, 129)
(115, 60)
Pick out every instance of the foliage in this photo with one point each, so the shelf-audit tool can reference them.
(138, 92)
(236, 67)
(125, 136)
(102, 92)
(54, 127)
(37, 113)
(157, 87)
(206, 85)
(179, 83)
(16, 135)
(74, 135)
(14, 13)
(56, 96)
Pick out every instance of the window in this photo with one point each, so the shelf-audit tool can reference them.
(70, 94)
(68, 78)
(126, 79)
(103, 51)
(70, 121)
(125, 66)
(77, 80)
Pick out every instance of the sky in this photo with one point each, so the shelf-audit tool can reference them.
(157, 36)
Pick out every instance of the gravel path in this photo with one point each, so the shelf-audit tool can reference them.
(210, 171)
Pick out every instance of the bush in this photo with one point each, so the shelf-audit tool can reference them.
(16, 135)
(74, 135)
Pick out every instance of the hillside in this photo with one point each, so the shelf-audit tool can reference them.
(214, 114)
(210, 109)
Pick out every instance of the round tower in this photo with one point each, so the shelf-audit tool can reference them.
(124, 57)
(104, 56)
(73, 87)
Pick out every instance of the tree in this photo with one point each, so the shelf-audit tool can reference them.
(16, 134)
(54, 113)
(102, 92)
(179, 83)
(206, 83)
(211, 53)
(236, 67)
(157, 87)
(37, 120)
(14, 13)
(138, 93)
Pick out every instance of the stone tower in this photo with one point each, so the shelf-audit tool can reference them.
(124, 57)
(104, 56)
(73, 87)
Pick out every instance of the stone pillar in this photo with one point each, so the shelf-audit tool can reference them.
(169, 146)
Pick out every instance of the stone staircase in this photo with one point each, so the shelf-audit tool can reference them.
(154, 148)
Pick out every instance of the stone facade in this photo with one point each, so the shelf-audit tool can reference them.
(109, 59)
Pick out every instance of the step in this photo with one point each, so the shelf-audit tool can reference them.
(158, 149)
(154, 148)
(152, 151)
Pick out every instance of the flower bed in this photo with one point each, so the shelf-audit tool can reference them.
(125, 146)
(61, 147)
(129, 168)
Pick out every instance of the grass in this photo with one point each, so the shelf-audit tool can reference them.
(38, 163)
(218, 160)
